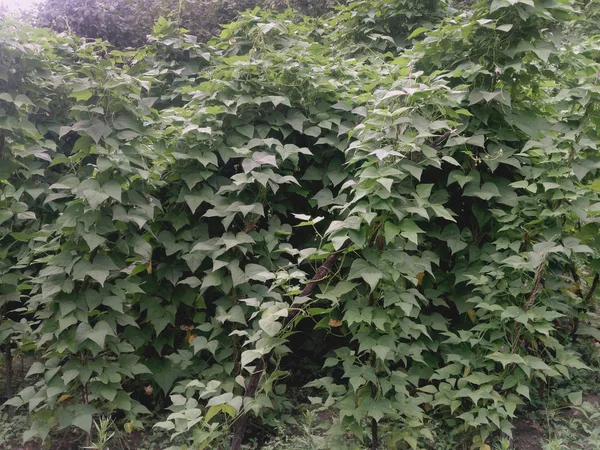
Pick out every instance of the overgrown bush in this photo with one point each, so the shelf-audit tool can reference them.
(127, 23)
(406, 199)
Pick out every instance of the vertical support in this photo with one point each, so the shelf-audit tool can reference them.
(374, 439)
(9, 376)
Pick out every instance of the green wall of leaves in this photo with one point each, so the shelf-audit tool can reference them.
(403, 194)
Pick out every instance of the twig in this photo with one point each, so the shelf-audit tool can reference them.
(530, 301)
(536, 286)
(235, 345)
(9, 375)
(2, 142)
(590, 293)
(375, 233)
(321, 273)
(586, 302)
(436, 142)
(576, 280)
(251, 226)
(579, 293)
(374, 430)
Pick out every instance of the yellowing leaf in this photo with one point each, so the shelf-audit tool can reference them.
(63, 398)
(128, 427)
(335, 323)
(472, 315)
(216, 409)
(485, 447)
(149, 267)
(420, 276)
(191, 337)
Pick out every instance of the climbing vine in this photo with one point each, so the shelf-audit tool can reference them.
(402, 194)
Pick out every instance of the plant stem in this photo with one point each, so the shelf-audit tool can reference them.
(537, 283)
(586, 303)
(374, 440)
(9, 376)
(239, 428)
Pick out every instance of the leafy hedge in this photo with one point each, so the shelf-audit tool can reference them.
(396, 206)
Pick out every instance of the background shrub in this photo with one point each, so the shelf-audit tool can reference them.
(127, 23)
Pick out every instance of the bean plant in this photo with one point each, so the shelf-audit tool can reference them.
(402, 193)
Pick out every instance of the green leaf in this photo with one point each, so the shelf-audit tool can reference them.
(95, 198)
(486, 192)
(390, 231)
(4, 216)
(246, 130)
(258, 273)
(216, 409)
(194, 259)
(506, 358)
(506, 27)
(112, 189)
(362, 269)
(193, 201)
(249, 356)
(98, 336)
(126, 121)
(108, 393)
(296, 119)
(99, 275)
(114, 303)
(576, 398)
(234, 314)
(93, 240)
(96, 129)
(587, 330)
(35, 369)
(83, 421)
(336, 292)
(451, 234)
(164, 373)
(410, 230)
(82, 95)
(22, 99)
(357, 382)
(424, 190)
(523, 390)
(165, 425)
(270, 325)
(381, 351)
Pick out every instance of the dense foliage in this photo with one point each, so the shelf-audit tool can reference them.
(127, 23)
(395, 207)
